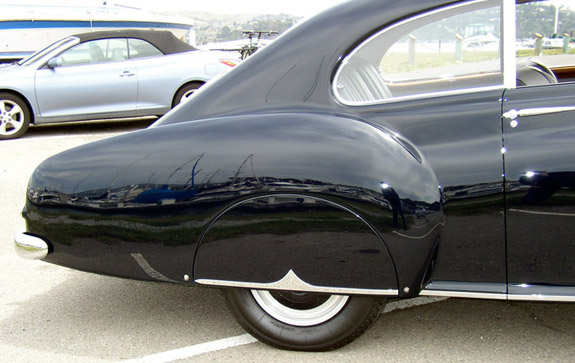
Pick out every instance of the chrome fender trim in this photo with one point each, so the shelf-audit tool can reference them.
(291, 282)
(30, 247)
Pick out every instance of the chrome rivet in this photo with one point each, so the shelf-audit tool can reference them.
(514, 123)
(186, 278)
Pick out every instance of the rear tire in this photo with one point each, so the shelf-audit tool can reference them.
(15, 116)
(303, 321)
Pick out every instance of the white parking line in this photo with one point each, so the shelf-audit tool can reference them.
(194, 350)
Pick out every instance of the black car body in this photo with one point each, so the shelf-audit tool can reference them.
(319, 176)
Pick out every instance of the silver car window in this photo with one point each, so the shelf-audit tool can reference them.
(141, 49)
(96, 51)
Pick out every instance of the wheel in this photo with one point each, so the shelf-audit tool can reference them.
(14, 116)
(186, 91)
(303, 321)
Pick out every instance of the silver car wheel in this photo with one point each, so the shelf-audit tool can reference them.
(299, 314)
(12, 118)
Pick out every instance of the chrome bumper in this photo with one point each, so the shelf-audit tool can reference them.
(30, 247)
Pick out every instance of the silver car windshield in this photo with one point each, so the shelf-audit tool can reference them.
(34, 57)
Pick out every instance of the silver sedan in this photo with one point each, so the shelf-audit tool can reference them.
(103, 75)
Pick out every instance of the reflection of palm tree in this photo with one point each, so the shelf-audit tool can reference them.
(109, 189)
(208, 178)
(250, 157)
(194, 173)
(80, 182)
(393, 198)
(179, 168)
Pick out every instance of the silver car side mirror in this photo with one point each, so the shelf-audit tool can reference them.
(54, 62)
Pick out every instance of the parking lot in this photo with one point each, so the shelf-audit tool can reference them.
(53, 314)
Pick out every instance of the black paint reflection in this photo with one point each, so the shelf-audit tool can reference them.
(119, 194)
(543, 185)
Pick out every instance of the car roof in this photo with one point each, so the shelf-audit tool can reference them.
(297, 67)
(164, 40)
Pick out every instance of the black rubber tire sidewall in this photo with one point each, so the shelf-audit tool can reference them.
(25, 110)
(359, 313)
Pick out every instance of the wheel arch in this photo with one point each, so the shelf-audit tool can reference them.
(293, 244)
(185, 84)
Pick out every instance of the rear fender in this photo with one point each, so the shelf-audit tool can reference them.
(295, 242)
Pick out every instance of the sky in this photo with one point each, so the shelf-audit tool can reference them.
(293, 7)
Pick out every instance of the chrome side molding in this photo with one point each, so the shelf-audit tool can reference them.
(292, 282)
(495, 291)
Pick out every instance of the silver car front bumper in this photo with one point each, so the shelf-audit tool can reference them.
(30, 247)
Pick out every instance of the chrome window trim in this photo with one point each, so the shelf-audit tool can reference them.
(292, 282)
(508, 67)
(420, 96)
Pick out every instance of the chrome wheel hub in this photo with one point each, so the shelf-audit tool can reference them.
(300, 309)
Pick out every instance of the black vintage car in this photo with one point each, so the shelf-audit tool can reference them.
(381, 149)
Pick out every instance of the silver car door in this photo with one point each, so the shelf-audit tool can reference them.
(93, 79)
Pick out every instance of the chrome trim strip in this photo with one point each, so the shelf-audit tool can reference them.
(420, 96)
(526, 112)
(528, 292)
(291, 282)
(544, 110)
(548, 298)
(542, 213)
(30, 247)
(463, 294)
(476, 295)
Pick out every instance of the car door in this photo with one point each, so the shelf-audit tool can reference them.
(419, 79)
(95, 79)
(539, 135)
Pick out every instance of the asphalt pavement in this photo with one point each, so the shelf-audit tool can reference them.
(53, 314)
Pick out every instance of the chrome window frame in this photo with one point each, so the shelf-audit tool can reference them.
(508, 56)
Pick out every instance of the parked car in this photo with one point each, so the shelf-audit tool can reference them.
(102, 75)
(362, 156)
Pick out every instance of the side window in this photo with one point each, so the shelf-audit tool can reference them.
(455, 49)
(545, 43)
(141, 49)
(96, 51)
